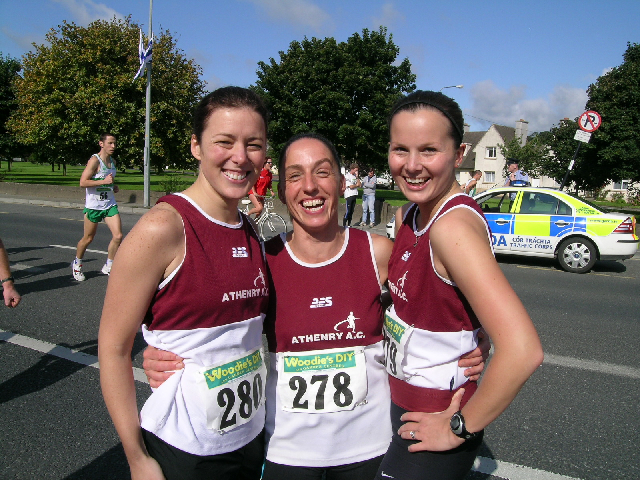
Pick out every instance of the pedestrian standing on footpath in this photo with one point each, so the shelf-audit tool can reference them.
(9, 292)
(369, 199)
(472, 185)
(100, 204)
(351, 193)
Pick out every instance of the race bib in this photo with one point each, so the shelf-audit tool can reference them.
(234, 392)
(396, 334)
(322, 381)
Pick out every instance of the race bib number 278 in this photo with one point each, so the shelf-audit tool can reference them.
(234, 392)
(322, 381)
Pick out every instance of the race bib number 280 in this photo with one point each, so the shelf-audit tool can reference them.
(234, 392)
(322, 381)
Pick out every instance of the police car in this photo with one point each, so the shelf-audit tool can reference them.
(544, 222)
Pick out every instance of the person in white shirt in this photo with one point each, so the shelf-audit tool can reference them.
(351, 193)
(472, 185)
(369, 198)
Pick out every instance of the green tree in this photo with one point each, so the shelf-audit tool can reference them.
(564, 147)
(9, 68)
(80, 83)
(531, 156)
(615, 152)
(341, 90)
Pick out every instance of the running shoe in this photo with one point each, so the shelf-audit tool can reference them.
(106, 269)
(77, 272)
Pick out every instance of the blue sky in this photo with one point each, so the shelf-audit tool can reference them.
(516, 59)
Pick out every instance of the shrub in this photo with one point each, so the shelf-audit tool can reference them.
(633, 195)
(618, 198)
(173, 183)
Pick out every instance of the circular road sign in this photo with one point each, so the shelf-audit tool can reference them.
(590, 121)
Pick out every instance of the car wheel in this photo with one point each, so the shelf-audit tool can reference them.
(577, 255)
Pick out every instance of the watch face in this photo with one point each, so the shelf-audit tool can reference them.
(456, 424)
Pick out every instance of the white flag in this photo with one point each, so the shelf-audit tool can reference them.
(144, 55)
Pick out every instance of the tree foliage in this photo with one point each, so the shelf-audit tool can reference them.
(531, 156)
(9, 68)
(615, 152)
(565, 148)
(341, 90)
(80, 83)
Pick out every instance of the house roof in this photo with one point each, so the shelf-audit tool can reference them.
(471, 138)
(507, 133)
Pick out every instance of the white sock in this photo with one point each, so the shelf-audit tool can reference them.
(109, 262)
(78, 261)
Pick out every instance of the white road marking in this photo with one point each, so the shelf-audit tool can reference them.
(74, 248)
(592, 365)
(511, 471)
(61, 352)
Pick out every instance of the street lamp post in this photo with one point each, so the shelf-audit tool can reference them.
(452, 86)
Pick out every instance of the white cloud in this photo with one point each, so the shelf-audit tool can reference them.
(388, 17)
(24, 41)
(86, 11)
(298, 13)
(606, 70)
(505, 107)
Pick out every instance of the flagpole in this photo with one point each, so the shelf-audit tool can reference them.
(147, 174)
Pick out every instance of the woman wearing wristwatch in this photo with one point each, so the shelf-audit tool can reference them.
(439, 304)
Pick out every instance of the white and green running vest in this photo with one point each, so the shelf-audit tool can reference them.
(101, 197)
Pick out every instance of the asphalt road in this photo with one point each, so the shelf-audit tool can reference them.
(576, 418)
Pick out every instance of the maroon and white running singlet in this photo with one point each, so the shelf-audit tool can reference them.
(326, 374)
(430, 324)
(210, 311)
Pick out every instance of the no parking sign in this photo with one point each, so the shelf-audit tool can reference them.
(590, 121)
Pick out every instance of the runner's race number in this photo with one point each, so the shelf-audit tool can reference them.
(248, 396)
(395, 334)
(234, 391)
(322, 381)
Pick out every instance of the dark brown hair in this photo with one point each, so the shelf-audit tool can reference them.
(316, 136)
(226, 97)
(437, 101)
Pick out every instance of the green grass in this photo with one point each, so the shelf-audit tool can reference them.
(132, 179)
(392, 197)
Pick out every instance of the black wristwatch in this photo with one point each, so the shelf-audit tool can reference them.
(458, 428)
